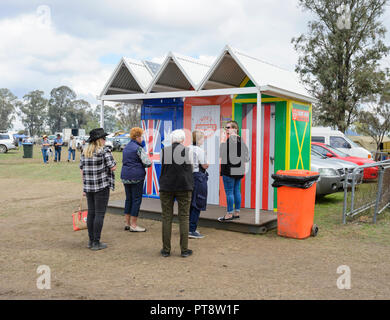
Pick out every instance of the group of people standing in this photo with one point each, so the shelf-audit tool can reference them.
(183, 178)
(58, 144)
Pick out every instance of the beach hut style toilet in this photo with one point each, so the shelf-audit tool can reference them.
(185, 93)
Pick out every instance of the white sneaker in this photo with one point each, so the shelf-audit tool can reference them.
(137, 229)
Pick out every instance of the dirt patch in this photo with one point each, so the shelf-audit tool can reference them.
(36, 230)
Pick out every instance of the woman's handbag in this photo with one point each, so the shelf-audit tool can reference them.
(80, 218)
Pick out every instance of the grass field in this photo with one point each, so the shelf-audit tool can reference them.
(328, 210)
(36, 203)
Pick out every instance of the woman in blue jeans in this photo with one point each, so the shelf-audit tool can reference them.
(234, 154)
(135, 160)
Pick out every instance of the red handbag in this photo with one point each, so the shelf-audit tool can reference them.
(80, 218)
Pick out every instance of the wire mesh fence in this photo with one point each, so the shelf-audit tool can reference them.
(371, 198)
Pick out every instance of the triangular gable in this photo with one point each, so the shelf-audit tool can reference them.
(170, 77)
(232, 66)
(130, 76)
(194, 69)
(226, 72)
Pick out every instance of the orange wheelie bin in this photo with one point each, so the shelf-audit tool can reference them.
(296, 200)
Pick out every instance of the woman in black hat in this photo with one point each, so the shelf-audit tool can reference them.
(97, 167)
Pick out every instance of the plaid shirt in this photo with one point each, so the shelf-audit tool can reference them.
(97, 174)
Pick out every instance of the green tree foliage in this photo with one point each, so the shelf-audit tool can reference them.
(8, 104)
(129, 115)
(60, 101)
(376, 121)
(33, 112)
(339, 56)
(77, 114)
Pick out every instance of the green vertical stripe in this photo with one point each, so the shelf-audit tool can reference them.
(280, 140)
(238, 115)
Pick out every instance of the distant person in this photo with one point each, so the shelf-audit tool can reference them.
(200, 176)
(135, 160)
(57, 148)
(45, 148)
(97, 168)
(176, 182)
(82, 146)
(72, 148)
(234, 154)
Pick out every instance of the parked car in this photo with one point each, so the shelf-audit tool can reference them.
(121, 142)
(329, 152)
(6, 142)
(337, 139)
(345, 169)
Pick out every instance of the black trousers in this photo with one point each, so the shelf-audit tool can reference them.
(97, 205)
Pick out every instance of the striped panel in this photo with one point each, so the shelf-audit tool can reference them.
(265, 153)
(253, 156)
(248, 142)
(272, 154)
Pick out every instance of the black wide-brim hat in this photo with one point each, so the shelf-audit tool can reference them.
(96, 134)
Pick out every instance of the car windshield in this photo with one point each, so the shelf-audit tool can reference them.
(317, 155)
(353, 144)
(338, 152)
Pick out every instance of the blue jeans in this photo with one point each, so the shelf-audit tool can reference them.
(133, 198)
(233, 193)
(57, 152)
(71, 152)
(45, 155)
(194, 218)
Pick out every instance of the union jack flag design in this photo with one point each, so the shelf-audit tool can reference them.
(153, 137)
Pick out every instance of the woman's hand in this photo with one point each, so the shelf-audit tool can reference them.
(113, 168)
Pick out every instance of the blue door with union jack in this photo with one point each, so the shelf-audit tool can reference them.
(158, 119)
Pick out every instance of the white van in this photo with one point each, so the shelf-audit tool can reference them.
(338, 140)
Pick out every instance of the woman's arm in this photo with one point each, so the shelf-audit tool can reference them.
(144, 157)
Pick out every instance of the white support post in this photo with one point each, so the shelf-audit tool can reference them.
(102, 114)
(258, 158)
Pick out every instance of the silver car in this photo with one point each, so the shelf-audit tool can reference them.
(6, 142)
(345, 171)
(331, 175)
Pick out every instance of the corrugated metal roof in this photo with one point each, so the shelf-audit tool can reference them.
(130, 76)
(232, 65)
(152, 66)
(178, 72)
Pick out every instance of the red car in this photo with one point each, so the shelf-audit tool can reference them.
(330, 152)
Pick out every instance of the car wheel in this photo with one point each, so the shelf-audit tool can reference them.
(3, 148)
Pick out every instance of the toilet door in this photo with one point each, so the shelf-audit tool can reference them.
(207, 119)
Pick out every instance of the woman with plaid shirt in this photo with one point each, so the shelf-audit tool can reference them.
(97, 167)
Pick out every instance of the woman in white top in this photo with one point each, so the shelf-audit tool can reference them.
(199, 193)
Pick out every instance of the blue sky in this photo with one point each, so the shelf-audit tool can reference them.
(45, 44)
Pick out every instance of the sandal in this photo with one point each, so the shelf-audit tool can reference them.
(236, 217)
(221, 219)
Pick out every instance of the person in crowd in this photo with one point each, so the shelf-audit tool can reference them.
(97, 168)
(176, 182)
(234, 154)
(200, 176)
(83, 146)
(134, 161)
(57, 148)
(72, 148)
(45, 148)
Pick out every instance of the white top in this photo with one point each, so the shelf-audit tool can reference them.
(198, 156)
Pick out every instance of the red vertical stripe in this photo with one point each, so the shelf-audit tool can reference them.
(149, 185)
(267, 117)
(243, 139)
(253, 157)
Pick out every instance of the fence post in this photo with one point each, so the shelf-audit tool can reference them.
(379, 195)
(345, 199)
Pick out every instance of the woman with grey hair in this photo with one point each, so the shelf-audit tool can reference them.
(176, 182)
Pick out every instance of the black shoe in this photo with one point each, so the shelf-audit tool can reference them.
(165, 253)
(89, 244)
(127, 228)
(186, 253)
(97, 245)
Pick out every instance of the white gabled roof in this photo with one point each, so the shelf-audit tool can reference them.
(178, 72)
(232, 66)
(130, 76)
